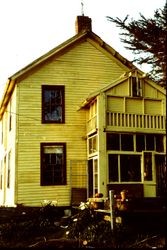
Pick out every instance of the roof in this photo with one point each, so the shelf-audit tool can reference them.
(119, 80)
(83, 35)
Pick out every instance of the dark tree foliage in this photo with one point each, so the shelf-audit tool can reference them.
(147, 39)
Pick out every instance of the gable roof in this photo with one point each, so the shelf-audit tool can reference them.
(81, 36)
(118, 81)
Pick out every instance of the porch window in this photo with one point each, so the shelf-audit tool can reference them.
(53, 104)
(148, 166)
(127, 142)
(113, 141)
(113, 167)
(159, 143)
(150, 143)
(53, 164)
(130, 167)
(124, 168)
(140, 143)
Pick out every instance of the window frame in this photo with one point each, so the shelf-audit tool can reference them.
(63, 180)
(53, 88)
(136, 86)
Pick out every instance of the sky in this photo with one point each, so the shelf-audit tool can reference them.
(30, 28)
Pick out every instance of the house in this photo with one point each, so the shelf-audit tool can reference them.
(78, 120)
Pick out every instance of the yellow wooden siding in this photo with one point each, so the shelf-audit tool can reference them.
(134, 106)
(78, 174)
(115, 104)
(122, 89)
(153, 107)
(149, 91)
(82, 70)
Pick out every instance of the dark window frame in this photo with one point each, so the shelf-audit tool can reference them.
(136, 86)
(63, 178)
(61, 105)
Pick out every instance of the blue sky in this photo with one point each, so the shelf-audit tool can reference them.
(30, 28)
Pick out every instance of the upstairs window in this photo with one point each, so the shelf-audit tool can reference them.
(136, 87)
(92, 144)
(53, 164)
(10, 115)
(9, 170)
(53, 104)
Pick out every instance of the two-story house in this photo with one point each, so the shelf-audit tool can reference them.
(78, 120)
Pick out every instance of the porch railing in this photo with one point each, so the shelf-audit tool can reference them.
(142, 121)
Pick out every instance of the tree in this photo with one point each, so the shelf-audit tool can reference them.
(147, 39)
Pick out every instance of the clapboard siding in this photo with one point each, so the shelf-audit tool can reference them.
(81, 70)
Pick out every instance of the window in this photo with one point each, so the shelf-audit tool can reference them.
(53, 104)
(10, 115)
(113, 167)
(136, 86)
(150, 142)
(140, 143)
(113, 142)
(124, 168)
(8, 171)
(130, 168)
(92, 144)
(53, 164)
(127, 142)
(148, 166)
(159, 143)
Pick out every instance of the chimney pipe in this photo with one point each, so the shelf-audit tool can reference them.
(83, 23)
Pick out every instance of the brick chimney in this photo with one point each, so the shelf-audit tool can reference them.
(83, 23)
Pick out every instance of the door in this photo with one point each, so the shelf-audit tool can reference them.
(92, 176)
(161, 175)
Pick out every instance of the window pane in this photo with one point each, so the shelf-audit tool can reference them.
(130, 168)
(150, 142)
(127, 142)
(113, 167)
(53, 165)
(53, 104)
(92, 144)
(159, 143)
(140, 143)
(147, 166)
(113, 141)
(134, 86)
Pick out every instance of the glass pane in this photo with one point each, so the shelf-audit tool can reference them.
(140, 143)
(130, 166)
(150, 142)
(52, 170)
(159, 143)
(96, 181)
(95, 166)
(127, 142)
(113, 141)
(147, 166)
(113, 167)
(53, 149)
(53, 105)
(134, 86)
(92, 144)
